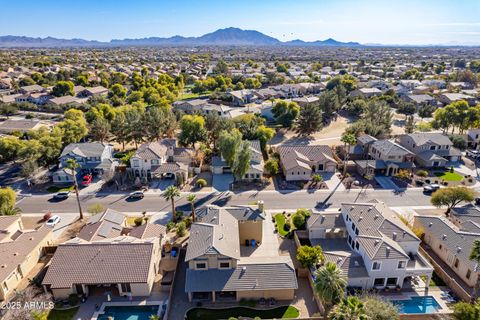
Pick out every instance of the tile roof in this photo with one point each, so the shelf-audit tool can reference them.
(293, 156)
(86, 149)
(148, 230)
(326, 220)
(100, 263)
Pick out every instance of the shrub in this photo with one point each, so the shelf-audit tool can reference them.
(309, 256)
(73, 299)
(422, 173)
(451, 170)
(170, 225)
(181, 229)
(179, 215)
(287, 226)
(201, 183)
(304, 212)
(95, 208)
(138, 221)
(188, 221)
(271, 166)
(298, 220)
(317, 178)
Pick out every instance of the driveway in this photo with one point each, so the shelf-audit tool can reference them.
(66, 220)
(386, 183)
(221, 182)
(161, 184)
(332, 181)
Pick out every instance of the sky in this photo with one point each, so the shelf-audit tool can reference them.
(415, 22)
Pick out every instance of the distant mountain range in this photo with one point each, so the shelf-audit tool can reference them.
(221, 37)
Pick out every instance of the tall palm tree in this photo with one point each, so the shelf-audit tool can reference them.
(329, 285)
(350, 140)
(475, 256)
(170, 194)
(192, 198)
(73, 166)
(350, 308)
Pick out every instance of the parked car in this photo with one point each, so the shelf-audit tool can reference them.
(87, 179)
(431, 188)
(474, 154)
(54, 220)
(136, 195)
(62, 195)
(477, 201)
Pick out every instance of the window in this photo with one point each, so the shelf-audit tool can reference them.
(320, 167)
(379, 282)
(136, 163)
(432, 147)
(440, 247)
(469, 273)
(201, 265)
(224, 265)
(391, 282)
(357, 245)
(154, 161)
(376, 265)
(456, 263)
(5, 287)
(401, 264)
(356, 232)
(126, 287)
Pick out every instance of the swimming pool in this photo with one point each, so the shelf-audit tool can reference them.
(129, 312)
(426, 304)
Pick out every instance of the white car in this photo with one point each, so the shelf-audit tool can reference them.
(54, 220)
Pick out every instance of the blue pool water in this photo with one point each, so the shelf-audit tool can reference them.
(129, 313)
(426, 304)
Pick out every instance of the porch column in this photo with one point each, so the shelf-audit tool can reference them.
(213, 296)
(427, 284)
(190, 297)
(85, 289)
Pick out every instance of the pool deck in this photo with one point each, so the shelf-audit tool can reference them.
(435, 292)
(128, 304)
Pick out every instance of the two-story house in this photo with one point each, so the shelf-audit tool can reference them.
(431, 149)
(473, 139)
(20, 250)
(369, 243)
(233, 254)
(384, 157)
(93, 157)
(160, 158)
(300, 162)
(449, 243)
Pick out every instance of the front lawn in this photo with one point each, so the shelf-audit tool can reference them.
(449, 176)
(55, 189)
(286, 312)
(280, 221)
(62, 314)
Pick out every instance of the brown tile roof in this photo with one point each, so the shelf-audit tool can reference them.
(148, 230)
(304, 156)
(100, 263)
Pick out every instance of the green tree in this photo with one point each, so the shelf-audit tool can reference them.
(309, 256)
(8, 110)
(330, 285)
(229, 144)
(117, 90)
(170, 194)
(298, 220)
(350, 308)
(329, 103)
(348, 140)
(406, 109)
(285, 113)
(193, 130)
(272, 167)
(310, 120)
(451, 196)
(191, 198)
(74, 126)
(356, 107)
(241, 162)
(214, 124)
(8, 197)
(10, 148)
(264, 134)
(426, 111)
(63, 88)
(475, 257)
(466, 311)
(72, 165)
(379, 309)
(158, 122)
(100, 129)
(248, 125)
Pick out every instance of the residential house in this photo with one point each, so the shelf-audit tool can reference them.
(300, 162)
(370, 244)
(93, 92)
(431, 149)
(93, 157)
(451, 242)
(448, 98)
(473, 139)
(384, 157)
(161, 157)
(12, 125)
(421, 99)
(20, 251)
(255, 171)
(190, 106)
(35, 88)
(233, 255)
(366, 92)
(242, 97)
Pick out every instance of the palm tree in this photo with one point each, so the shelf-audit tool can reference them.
(475, 256)
(170, 194)
(347, 139)
(350, 308)
(9, 211)
(329, 285)
(73, 166)
(192, 198)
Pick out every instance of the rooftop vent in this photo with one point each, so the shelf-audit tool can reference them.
(376, 217)
(394, 236)
(430, 224)
(356, 263)
(377, 241)
(388, 250)
(459, 249)
(351, 208)
(360, 218)
(444, 237)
